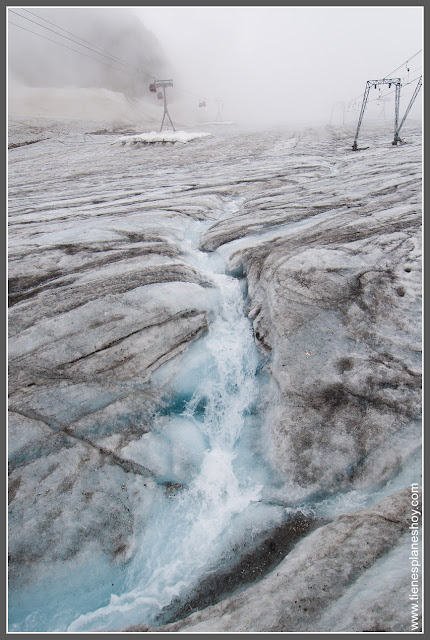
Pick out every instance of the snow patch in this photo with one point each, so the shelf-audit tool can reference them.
(159, 136)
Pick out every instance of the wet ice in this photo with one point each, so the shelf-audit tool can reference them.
(163, 302)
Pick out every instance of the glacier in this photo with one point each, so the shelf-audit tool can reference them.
(214, 378)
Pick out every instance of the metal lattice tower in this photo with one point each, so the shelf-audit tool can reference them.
(163, 84)
(374, 83)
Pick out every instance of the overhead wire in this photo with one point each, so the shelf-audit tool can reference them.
(401, 65)
(91, 48)
(67, 47)
(75, 36)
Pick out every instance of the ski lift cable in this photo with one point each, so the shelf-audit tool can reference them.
(403, 63)
(70, 48)
(108, 56)
(403, 85)
(404, 95)
(103, 52)
(75, 36)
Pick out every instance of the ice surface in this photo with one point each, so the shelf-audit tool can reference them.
(367, 607)
(316, 576)
(204, 340)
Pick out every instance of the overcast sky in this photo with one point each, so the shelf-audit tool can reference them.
(285, 64)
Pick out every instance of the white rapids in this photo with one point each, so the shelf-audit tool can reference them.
(186, 533)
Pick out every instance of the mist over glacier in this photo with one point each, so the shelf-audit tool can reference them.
(214, 343)
(262, 67)
(114, 31)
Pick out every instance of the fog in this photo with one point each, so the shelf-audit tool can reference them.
(36, 61)
(254, 65)
(284, 64)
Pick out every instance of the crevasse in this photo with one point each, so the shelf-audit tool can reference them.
(186, 532)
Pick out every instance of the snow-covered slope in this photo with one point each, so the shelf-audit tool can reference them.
(100, 105)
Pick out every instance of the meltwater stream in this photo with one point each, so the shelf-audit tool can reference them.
(187, 531)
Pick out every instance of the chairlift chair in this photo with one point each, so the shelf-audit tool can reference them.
(152, 87)
(160, 95)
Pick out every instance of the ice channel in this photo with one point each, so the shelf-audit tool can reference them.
(188, 531)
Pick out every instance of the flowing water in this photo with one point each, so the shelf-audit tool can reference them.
(187, 531)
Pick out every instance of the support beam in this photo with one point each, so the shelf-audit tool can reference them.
(163, 84)
(166, 113)
(360, 118)
(396, 115)
(412, 100)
